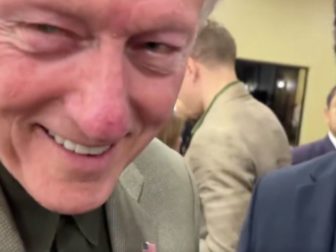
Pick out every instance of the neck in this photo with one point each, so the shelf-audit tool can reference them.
(214, 82)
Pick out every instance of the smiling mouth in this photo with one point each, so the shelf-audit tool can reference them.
(77, 148)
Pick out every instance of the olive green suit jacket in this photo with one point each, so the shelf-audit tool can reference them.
(236, 141)
(155, 201)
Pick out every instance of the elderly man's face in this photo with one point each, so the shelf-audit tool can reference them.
(84, 86)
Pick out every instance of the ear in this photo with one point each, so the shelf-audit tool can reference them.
(326, 114)
(193, 70)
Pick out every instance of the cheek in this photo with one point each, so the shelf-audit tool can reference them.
(333, 120)
(155, 98)
(14, 79)
(27, 84)
(187, 94)
(20, 84)
(183, 94)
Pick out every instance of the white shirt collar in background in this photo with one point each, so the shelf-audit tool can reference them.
(332, 138)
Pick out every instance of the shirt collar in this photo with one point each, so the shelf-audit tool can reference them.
(90, 223)
(332, 139)
(38, 225)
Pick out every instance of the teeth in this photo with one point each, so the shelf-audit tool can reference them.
(59, 140)
(70, 146)
(98, 150)
(78, 148)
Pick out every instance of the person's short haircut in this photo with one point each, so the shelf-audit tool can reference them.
(331, 96)
(208, 7)
(214, 45)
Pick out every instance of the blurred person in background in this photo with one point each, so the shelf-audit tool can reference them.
(186, 135)
(322, 146)
(235, 141)
(171, 133)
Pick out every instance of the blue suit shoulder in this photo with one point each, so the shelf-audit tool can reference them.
(311, 150)
(290, 177)
(284, 181)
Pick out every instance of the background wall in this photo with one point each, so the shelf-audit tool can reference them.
(288, 32)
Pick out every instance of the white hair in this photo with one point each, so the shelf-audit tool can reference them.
(208, 7)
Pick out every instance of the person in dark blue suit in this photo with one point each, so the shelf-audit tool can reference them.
(294, 209)
(320, 147)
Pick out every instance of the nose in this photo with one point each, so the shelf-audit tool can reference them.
(99, 104)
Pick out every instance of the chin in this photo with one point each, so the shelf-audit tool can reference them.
(72, 199)
(76, 208)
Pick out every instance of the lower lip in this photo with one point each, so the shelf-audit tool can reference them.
(80, 162)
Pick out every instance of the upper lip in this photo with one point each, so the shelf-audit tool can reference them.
(83, 141)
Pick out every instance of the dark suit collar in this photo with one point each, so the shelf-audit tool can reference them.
(129, 223)
(315, 206)
(26, 211)
(37, 225)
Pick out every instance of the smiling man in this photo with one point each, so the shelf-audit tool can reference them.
(85, 85)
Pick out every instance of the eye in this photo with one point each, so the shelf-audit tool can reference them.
(157, 53)
(46, 28)
(43, 38)
(159, 48)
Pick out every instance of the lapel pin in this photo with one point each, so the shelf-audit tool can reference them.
(149, 247)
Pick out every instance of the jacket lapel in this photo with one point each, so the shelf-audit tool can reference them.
(314, 218)
(129, 224)
(9, 236)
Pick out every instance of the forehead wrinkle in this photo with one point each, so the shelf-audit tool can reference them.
(167, 19)
(83, 10)
(57, 6)
(119, 14)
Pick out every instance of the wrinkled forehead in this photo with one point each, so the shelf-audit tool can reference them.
(106, 4)
(119, 12)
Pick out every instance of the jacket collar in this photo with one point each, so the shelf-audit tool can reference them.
(129, 224)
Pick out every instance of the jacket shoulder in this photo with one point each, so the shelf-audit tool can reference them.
(282, 183)
(311, 150)
(157, 159)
